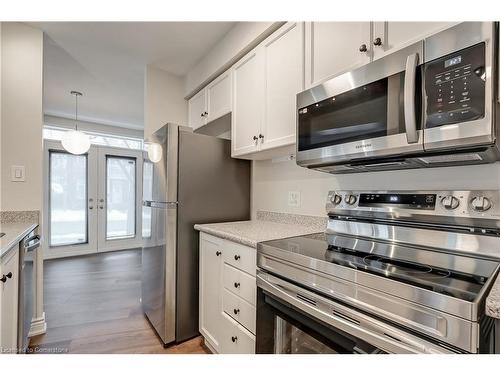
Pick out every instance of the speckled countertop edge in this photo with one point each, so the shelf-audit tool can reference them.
(15, 225)
(493, 300)
(268, 226)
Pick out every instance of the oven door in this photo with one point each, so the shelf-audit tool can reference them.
(373, 111)
(294, 320)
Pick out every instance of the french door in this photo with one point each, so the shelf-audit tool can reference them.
(92, 201)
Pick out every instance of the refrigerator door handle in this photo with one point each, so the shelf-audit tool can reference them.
(155, 204)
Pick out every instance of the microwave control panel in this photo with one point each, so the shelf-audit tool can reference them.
(455, 87)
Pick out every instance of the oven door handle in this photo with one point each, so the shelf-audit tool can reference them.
(359, 325)
(409, 98)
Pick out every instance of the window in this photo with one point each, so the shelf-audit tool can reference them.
(56, 134)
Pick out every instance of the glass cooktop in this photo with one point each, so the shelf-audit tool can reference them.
(449, 274)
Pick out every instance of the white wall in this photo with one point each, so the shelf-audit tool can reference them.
(163, 100)
(21, 127)
(239, 40)
(22, 115)
(91, 126)
(272, 182)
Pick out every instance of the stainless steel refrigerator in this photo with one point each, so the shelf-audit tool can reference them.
(188, 179)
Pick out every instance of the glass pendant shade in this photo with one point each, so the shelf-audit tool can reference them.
(154, 152)
(76, 142)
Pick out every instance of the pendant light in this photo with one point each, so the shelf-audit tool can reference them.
(154, 152)
(75, 141)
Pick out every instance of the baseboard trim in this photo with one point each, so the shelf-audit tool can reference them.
(38, 326)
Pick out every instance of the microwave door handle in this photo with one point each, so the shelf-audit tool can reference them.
(409, 98)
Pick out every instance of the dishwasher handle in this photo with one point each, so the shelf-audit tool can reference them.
(29, 247)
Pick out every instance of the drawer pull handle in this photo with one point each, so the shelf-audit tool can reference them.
(237, 257)
(234, 338)
(9, 275)
(218, 253)
(236, 311)
(236, 285)
(3, 279)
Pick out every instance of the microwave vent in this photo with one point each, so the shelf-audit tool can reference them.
(453, 158)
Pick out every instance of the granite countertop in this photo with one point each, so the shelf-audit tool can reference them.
(267, 226)
(14, 233)
(16, 225)
(493, 300)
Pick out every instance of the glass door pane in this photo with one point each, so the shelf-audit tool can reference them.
(120, 197)
(68, 199)
(292, 340)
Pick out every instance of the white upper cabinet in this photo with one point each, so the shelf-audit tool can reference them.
(284, 78)
(197, 109)
(389, 36)
(247, 76)
(265, 85)
(212, 102)
(219, 97)
(335, 47)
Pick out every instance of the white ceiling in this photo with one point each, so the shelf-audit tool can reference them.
(106, 61)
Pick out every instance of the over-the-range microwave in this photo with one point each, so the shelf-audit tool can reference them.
(433, 103)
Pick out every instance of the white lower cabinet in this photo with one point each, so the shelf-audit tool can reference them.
(227, 295)
(235, 338)
(9, 268)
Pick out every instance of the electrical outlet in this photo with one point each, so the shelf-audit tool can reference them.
(294, 198)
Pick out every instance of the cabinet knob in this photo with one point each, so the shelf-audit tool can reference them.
(363, 48)
(236, 311)
(377, 42)
(261, 136)
(236, 285)
(3, 279)
(234, 338)
(9, 275)
(255, 138)
(205, 113)
(218, 253)
(237, 257)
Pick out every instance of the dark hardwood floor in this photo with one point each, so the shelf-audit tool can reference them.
(92, 305)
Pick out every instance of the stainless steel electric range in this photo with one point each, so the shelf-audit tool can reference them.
(395, 271)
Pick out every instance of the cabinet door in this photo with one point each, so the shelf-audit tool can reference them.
(236, 339)
(247, 76)
(9, 296)
(197, 110)
(334, 47)
(394, 35)
(219, 97)
(284, 79)
(210, 289)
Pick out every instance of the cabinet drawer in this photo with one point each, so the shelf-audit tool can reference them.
(236, 339)
(240, 310)
(240, 283)
(241, 257)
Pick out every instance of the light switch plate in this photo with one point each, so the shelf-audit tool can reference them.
(17, 173)
(294, 198)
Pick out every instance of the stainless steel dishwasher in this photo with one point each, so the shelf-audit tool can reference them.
(26, 288)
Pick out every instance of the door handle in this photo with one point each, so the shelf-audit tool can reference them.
(409, 98)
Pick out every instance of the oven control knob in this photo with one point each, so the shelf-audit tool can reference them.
(480, 203)
(450, 202)
(350, 199)
(336, 199)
